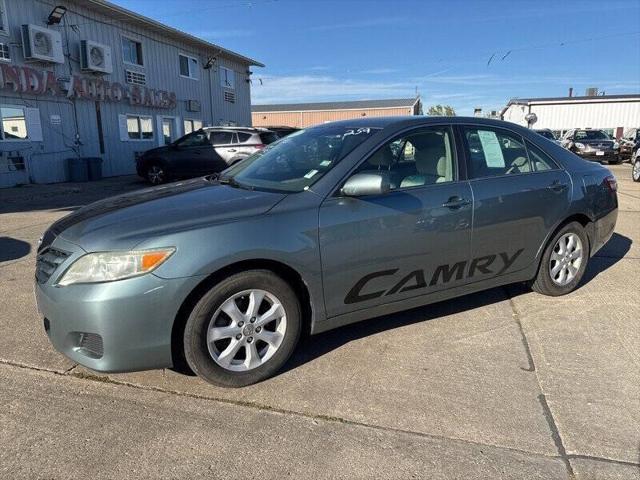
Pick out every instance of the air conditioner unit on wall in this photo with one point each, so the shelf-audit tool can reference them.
(41, 44)
(95, 57)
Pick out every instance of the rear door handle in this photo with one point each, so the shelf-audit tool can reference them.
(456, 202)
(232, 150)
(557, 186)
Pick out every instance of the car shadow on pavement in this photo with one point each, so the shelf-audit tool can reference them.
(13, 249)
(312, 347)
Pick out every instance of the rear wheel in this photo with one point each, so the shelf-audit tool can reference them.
(635, 170)
(155, 174)
(564, 261)
(243, 330)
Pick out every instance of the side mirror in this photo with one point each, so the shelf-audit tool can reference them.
(362, 184)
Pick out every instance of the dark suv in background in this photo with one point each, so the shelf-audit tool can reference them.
(205, 151)
(593, 145)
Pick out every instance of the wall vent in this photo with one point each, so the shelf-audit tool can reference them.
(135, 78)
(229, 97)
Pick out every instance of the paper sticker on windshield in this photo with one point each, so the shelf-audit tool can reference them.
(311, 174)
(325, 163)
(491, 148)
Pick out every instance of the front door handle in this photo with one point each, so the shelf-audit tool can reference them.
(232, 150)
(456, 202)
(557, 186)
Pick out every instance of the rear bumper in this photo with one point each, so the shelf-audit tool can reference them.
(603, 230)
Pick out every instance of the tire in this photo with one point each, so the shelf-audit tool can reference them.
(617, 161)
(635, 170)
(547, 281)
(155, 174)
(241, 355)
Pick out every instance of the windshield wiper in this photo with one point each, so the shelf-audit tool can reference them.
(232, 182)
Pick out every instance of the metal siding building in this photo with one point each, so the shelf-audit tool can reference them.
(302, 115)
(613, 113)
(63, 121)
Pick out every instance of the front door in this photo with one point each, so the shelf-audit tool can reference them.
(409, 242)
(519, 195)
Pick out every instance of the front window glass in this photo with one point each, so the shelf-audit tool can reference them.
(299, 160)
(196, 139)
(590, 135)
(422, 157)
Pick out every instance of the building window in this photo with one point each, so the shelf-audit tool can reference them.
(191, 125)
(5, 54)
(135, 78)
(229, 97)
(14, 123)
(132, 52)
(4, 21)
(140, 127)
(188, 67)
(227, 78)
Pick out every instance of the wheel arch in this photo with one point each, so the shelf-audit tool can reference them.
(580, 218)
(286, 272)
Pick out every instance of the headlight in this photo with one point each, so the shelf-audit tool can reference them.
(110, 266)
(579, 145)
(616, 145)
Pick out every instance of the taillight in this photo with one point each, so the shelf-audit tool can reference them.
(611, 182)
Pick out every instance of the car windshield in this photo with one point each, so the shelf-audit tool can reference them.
(297, 161)
(591, 135)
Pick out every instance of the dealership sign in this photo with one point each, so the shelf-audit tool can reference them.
(26, 80)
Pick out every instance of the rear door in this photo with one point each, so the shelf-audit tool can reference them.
(409, 242)
(225, 144)
(519, 194)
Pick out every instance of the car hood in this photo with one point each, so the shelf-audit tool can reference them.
(121, 222)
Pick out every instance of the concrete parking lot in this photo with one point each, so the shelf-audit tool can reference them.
(501, 384)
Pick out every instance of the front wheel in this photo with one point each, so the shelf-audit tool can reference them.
(243, 330)
(564, 261)
(156, 174)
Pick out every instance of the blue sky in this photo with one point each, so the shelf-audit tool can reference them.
(458, 52)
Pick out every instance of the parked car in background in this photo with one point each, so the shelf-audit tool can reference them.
(548, 134)
(635, 166)
(591, 144)
(205, 151)
(629, 143)
(283, 131)
(338, 223)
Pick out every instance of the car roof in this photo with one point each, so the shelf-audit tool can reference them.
(415, 120)
(237, 129)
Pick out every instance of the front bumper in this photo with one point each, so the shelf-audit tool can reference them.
(113, 327)
(595, 156)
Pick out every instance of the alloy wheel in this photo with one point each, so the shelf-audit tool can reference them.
(155, 174)
(246, 330)
(566, 258)
(636, 170)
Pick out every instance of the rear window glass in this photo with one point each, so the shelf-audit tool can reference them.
(243, 137)
(221, 138)
(268, 137)
(495, 152)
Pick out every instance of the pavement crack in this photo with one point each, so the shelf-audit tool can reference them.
(603, 459)
(542, 398)
(81, 375)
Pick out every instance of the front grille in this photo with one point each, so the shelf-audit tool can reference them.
(48, 262)
(90, 344)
